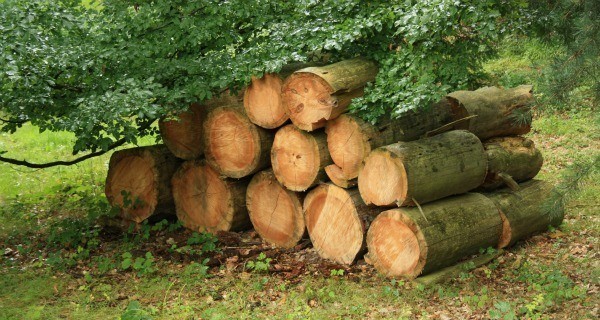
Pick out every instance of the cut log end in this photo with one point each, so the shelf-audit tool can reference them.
(308, 100)
(232, 142)
(263, 103)
(183, 136)
(394, 247)
(347, 144)
(335, 174)
(295, 158)
(131, 186)
(276, 213)
(333, 224)
(383, 179)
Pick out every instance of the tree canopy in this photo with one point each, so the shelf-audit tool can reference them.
(106, 70)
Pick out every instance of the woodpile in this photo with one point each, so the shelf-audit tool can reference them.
(456, 174)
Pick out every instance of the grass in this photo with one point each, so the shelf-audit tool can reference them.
(60, 259)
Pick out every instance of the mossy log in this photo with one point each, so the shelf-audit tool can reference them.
(313, 95)
(337, 220)
(526, 211)
(207, 202)
(408, 242)
(497, 112)
(276, 213)
(138, 182)
(417, 172)
(299, 158)
(511, 158)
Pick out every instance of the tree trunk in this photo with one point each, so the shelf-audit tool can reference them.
(499, 112)
(275, 212)
(311, 96)
(299, 158)
(337, 220)
(407, 242)
(351, 139)
(413, 173)
(206, 201)
(138, 182)
(235, 146)
(526, 211)
(515, 157)
(184, 135)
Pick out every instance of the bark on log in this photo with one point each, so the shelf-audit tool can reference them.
(526, 211)
(499, 112)
(407, 242)
(351, 139)
(311, 96)
(206, 201)
(416, 172)
(235, 146)
(299, 158)
(337, 220)
(138, 182)
(184, 135)
(276, 213)
(516, 157)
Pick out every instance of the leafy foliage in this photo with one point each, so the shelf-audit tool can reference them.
(105, 72)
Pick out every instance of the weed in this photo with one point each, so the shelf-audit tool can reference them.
(143, 265)
(336, 272)
(502, 310)
(207, 240)
(134, 311)
(195, 269)
(261, 264)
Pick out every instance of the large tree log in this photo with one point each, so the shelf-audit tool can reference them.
(276, 213)
(499, 112)
(183, 135)
(416, 172)
(206, 201)
(299, 158)
(526, 211)
(235, 146)
(337, 220)
(351, 139)
(511, 158)
(407, 242)
(138, 182)
(311, 96)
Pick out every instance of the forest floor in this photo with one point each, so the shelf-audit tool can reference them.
(63, 257)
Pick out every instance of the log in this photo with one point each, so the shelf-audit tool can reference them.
(276, 213)
(183, 135)
(138, 182)
(299, 158)
(417, 172)
(515, 157)
(233, 145)
(498, 112)
(207, 202)
(351, 139)
(525, 211)
(337, 220)
(408, 242)
(313, 95)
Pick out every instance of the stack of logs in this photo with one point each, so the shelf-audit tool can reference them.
(234, 162)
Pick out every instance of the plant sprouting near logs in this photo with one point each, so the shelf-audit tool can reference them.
(108, 69)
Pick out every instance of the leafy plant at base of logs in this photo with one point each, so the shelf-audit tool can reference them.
(106, 71)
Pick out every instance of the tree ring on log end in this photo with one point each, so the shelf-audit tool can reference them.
(132, 187)
(394, 244)
(262, 101)
(347, 144)
(275, 212)
(183, 136)
(383, 179)
(307, 100)
(295, 158)
(232, 142)
(333, 224)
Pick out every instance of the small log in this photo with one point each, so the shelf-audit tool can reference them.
(351, 139)
(299, 158)
(337, 220)
(525, 211)
(416, 172)
(408, 242)
(454, 271)
(276, 213)
(499, 112)
(183, 135)
(313, 95)
(206, 201)
(233, 145)
(138, 182)
(516, 157)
